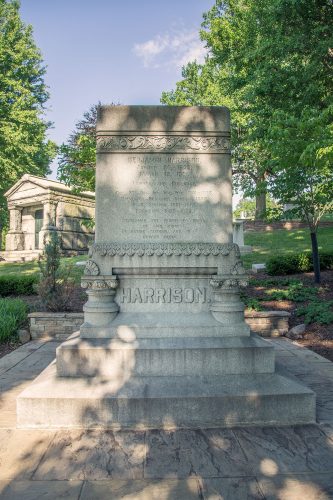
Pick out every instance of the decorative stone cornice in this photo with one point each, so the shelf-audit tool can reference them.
(159, 249)
(163, 143)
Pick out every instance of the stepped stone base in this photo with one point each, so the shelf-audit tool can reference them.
(171, 356)
(163, 402)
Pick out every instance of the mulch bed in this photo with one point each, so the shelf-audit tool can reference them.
(317, 337)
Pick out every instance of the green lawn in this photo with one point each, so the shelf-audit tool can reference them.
(281, 241)
(32, 267)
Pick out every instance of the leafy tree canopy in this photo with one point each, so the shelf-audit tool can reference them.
(24, 147)
(274, 59)
(77, 158)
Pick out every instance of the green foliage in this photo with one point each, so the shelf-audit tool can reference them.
(280, 70)
(272, 65)
(265, 282)
(13, 314)
(24, 147)
(77, 158)
(251, 303)
(17, 285)
(317, 311)
(56, 284)
(296, 292)
(296, 263)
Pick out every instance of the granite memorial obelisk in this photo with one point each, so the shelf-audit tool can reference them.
(164, 342)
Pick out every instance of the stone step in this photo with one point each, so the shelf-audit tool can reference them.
(178, 356)
(163, 402)
(162, 325)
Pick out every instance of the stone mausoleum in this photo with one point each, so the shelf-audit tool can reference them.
(38, 206)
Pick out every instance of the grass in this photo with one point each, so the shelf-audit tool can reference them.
(283, 242)
(7, 268)
(13, 314)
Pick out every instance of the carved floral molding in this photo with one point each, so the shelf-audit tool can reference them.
(177, 249)
(99, 283)
(162, 143)
(228, 283)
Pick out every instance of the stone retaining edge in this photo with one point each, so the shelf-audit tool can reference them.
(60, 325)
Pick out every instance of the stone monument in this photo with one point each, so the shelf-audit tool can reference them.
(164, 342)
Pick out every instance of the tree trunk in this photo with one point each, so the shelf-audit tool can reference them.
(260, 205)
(315, 257)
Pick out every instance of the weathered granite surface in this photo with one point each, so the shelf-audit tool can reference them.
(164, 343)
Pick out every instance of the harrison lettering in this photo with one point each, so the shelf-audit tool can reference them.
(163, 295)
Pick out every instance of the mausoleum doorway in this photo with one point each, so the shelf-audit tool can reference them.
(38, 226)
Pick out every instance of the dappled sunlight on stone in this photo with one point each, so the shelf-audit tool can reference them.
(126, 333)
(268, 467)
(294, 488)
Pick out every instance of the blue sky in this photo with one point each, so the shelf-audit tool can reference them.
(122, 51)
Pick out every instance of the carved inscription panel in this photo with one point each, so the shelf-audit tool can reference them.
(168, 294)
(164, 198)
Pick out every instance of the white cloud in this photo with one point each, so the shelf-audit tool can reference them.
(175, 49)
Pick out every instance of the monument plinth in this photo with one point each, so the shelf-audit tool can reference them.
(164, 342)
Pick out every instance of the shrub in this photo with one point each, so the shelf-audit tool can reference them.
(13, 314)
(317, 312)
(297, 263)
(18, 284)
(326, 261)
(56, 285)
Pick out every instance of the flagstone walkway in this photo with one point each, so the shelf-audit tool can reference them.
(288, 463)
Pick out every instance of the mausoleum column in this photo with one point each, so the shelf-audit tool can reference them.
(15, 236)
(49, 221)
(49, 216)
(15, 219)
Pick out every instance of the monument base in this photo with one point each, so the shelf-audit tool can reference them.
(163, 402)
(178, 356)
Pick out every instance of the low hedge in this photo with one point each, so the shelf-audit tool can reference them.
(16, 284)
(297, 263)
(13, 315)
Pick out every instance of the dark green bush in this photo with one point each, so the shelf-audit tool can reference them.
(326, 261)
(317, 311)
(297, 263)
(13, 314)
(15, 284)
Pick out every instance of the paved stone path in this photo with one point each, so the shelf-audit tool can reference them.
(289, 463)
